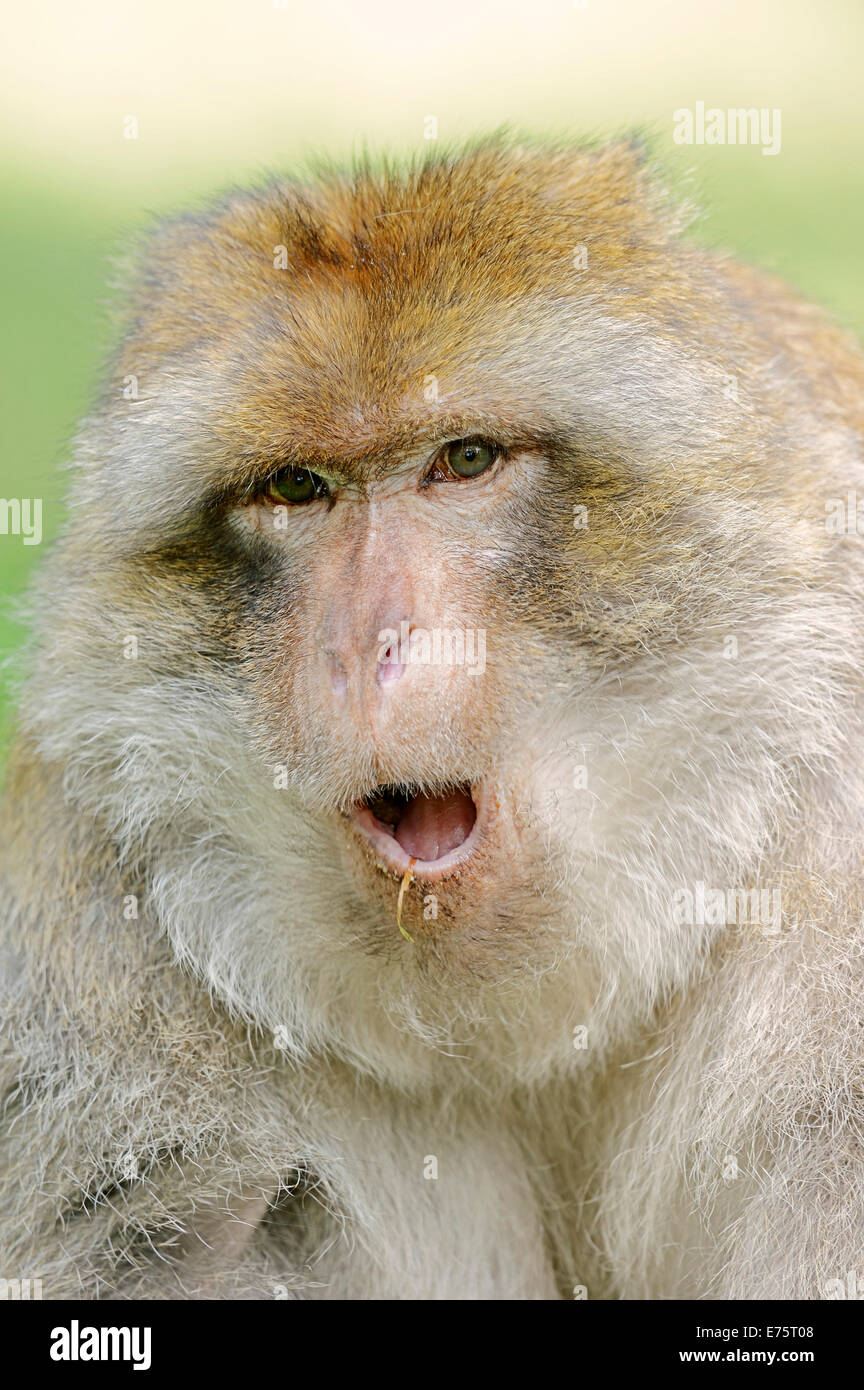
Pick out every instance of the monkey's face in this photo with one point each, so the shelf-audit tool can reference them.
(426, 517)
(398, 654)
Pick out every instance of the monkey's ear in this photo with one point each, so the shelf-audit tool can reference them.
(622, 183)
(623, 163)
(631, 150)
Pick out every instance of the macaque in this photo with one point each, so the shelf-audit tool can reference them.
(432, 837)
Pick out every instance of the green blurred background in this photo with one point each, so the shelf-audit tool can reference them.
(228, 90)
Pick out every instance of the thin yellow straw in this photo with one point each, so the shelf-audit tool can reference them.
(406, 879)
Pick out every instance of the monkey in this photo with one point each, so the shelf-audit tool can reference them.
(431, 834)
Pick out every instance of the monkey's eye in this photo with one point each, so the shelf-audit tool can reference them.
(296, 486)
(467, 458)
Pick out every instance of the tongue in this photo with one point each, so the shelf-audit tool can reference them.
(433, 825)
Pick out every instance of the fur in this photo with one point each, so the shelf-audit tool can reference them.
(238, 1091)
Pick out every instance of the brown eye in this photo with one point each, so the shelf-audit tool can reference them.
(467, 458)
(296, 486)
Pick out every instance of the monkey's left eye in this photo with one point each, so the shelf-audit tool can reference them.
(468, 458)
(296, 486)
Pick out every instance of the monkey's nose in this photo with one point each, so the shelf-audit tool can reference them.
(380, 660)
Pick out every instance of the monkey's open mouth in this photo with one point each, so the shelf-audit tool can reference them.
(438, 831)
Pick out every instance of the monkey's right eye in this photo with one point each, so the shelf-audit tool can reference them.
(297, 486)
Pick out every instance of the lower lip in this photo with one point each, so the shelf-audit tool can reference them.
(393, 857)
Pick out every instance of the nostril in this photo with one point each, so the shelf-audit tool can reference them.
(347, 663)
(390, 668)
(395, 657)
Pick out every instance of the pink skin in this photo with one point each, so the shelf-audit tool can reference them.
(390, 668)
(430, 827)
(392, 855)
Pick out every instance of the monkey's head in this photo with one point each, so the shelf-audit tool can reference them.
(407, 537)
